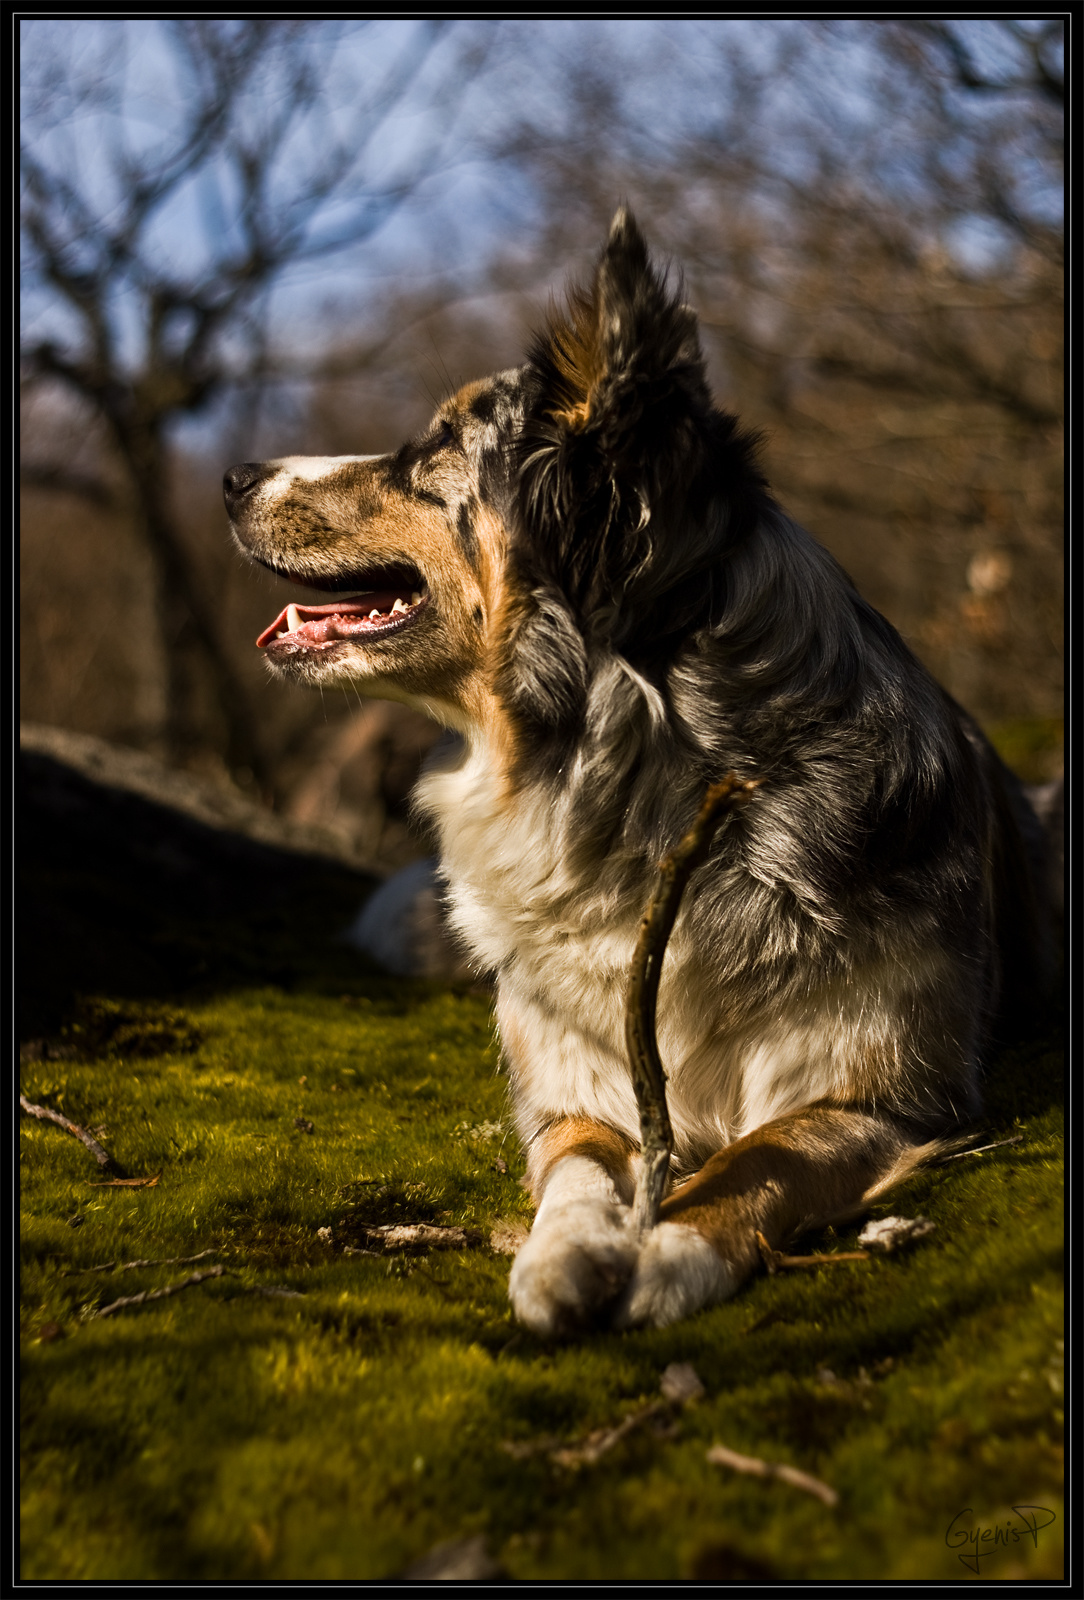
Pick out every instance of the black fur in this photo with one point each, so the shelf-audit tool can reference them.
(642, 530)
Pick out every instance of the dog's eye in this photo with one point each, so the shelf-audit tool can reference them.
(445, 439)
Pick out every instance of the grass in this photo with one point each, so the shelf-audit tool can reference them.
(342, 1431)
(219, 1435)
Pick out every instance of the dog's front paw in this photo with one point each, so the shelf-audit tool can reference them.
(572, 1268)
(676, 1273)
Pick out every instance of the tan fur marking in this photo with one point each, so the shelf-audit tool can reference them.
(574, 347)
(807, 1168)
(504, 608)
(462, 398)
(579, 1136)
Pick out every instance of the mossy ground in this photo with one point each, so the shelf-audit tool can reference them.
(339, 1434)
(1034, 747)
(221, 1435)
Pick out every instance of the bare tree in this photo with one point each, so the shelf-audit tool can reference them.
(866, 212)
(152, 243)
(867, 215)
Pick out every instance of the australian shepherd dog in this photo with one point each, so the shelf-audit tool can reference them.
(579, 567)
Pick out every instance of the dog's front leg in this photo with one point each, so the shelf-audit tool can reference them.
(811, 1167)
(581, 1251)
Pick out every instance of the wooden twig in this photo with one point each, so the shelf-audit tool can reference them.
(597, 1443)
(417, 1236)
(981, 1149)
(132, 1300)
(132, 1266)
(776, 1261)
(680, 1387)
(128, 1302)
(720, 1456)
(104, 1160)
(648, 1077)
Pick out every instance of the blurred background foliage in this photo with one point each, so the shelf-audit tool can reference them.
(251, 238)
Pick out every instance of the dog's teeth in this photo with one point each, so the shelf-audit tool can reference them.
(373, 614)
(399, 605)
(293, 619)
(415, 598)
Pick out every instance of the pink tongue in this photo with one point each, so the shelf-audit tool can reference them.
(359, 609)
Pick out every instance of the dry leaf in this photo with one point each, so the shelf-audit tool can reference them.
(126, 1183)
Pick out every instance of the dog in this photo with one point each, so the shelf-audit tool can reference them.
(579, 567)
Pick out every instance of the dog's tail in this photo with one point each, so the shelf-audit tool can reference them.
(911, 1160)
(908, 1160)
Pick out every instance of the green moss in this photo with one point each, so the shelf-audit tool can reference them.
(207, 1018)
(219, 1435)
(1034, 747)
(340, 1431)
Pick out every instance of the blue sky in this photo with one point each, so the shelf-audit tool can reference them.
(131, 91)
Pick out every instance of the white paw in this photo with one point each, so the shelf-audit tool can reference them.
(676, 1273)
(573, 1266)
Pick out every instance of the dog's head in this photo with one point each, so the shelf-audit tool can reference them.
(578, 506)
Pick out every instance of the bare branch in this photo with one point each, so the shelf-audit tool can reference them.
(721, 1456)
(777, 1261)
(129, 1302)
(132, 1266)
(980, 1150)
(648, 1077)
(968, 75)
(44, 1114)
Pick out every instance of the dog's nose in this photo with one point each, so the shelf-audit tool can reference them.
(241, 480)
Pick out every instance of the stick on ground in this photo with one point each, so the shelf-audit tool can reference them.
(777, 1260)
(981, 1149)
(132, 1266)
(148, 1295)
(104, 1160)
(719, 1455)
(648, 1077)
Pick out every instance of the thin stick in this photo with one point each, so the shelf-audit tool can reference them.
(775, 1260)
(44, 1114)
(160, 1294)
(596, 1444)
(131, 1266)
(721, 1456)
(648, 1077)
(981, 1149)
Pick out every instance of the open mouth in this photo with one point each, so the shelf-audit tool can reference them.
(393, 598)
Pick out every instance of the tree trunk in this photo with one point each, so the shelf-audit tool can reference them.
(195, 659)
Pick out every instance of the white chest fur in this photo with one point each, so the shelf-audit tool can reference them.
(562, 947)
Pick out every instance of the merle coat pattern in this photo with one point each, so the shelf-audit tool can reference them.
(579, 566)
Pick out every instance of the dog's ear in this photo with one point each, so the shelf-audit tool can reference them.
(615, 445)
(625, 332)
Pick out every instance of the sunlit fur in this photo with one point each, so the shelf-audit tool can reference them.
(619, 613)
